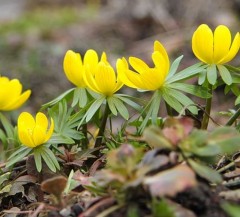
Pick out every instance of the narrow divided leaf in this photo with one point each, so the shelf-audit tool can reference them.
(93, 109)
(212, 74)
(225, 74)
(186, 73)
(121, 108)
(174, 67)
(192, 89)
(37, 158)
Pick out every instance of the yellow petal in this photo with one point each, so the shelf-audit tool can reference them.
(139, 65)
(104, 58)
(222, 42)
(18, 101)
(160, 63)
(73, 68)
(233, 50)
(160, 48)
(152, 79)
(50, 131)
(202, 44)
(118, 85)
(105, 79)
(90, 58)
(9, 93)
(122, 70)
(3, 80)
(88, 77)
(26, 121)
(42, 121)
(26, 138)
(135, 79)
(39, 135)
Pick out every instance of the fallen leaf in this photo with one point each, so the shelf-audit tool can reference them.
(171, 181)
(55, 185)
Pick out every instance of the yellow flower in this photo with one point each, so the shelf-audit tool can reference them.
(11, 96)
(73, 68)
(145, 77)
(215, 48)
(100, 75)
(33, 133)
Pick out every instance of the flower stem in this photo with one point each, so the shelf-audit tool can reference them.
(102, 126)
(233, 118)
(207, 110)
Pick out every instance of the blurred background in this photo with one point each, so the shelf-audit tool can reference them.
(35, 35)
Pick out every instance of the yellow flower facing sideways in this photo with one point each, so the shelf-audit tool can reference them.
(11, 96)
(34, 132)
(100, 76)
(145, 77)
(73, 68)
(215, 47)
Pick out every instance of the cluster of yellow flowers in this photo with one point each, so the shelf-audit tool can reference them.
(99, 76)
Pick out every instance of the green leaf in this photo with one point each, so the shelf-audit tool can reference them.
(57, 138)
(160, 208)
(237, 101)
(202, 77)
(148, 109)
(3, 139)
(18, 155)
(192, 89)
(37, 159)
(80, 97)
(112, 105)
(212, 74)
(232, 210)
(172, 101)
(235, 90)
(225, 74)
(58, 99)
(223, 136)
(4, 177)
(184, 100)
(125, 98)
(121, 108)
(205, 172)
(52, 157)
(186, 73)
(174, 67)
(236, 78)
(7, 125)
(155, 107)
(65, 130)
(232, 68)
(93, 109)
(47, 159)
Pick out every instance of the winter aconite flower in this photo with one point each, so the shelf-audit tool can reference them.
(99, 75)
(11, 96)
(145, 77)
(34, 132)
(215, 47)
(73, 68)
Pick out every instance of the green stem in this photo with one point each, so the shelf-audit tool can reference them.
(102, 126)
(207, 110)
(233, 118)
